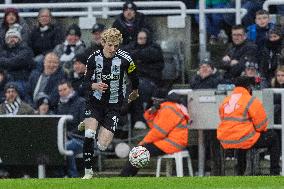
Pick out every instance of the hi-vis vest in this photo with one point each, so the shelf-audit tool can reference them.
(243, 118)
(168, 127)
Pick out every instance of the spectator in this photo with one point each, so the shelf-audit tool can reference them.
(258, 32)
(97, 30)
(70, 47)
(13, 105)
(271, 55)
(129, 22)
(76, 76)
(71, 104)
(42, 106)
(278, 82)
(45, 82)
(12, 20)
(167, 119)
(244, 125)
(16, 59)
(234, 60)
(213, 21)
(207, 77)
(251, 70)
(3, 81)
(45, 35)
(148, 57)
(252, 6)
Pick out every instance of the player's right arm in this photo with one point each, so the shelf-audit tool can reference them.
(87, 82)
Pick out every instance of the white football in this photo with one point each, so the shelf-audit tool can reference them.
(139, 156)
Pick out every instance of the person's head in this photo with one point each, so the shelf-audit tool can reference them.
(111, 39)
(44, 17)
(159, 95)
(73, 34)
(279, 74)
(97, 31)
(245, 82)
(51, 63)
(143, 37)
(11, 16)
(129, 10)
(251, 68)
(238, 34)
(262, 18)
(42, 105)
(275, 34)
(13, 37)
(205, 68)
(65, 88)
(11, 92)
(79, 63)
(3, 76)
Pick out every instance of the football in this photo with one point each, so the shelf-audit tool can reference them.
(139, 156)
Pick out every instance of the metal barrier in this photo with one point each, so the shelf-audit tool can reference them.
(267, 3)
(25, 134)
(203, 107)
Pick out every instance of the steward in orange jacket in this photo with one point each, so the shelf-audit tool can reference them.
(244, 124)
(167, 119)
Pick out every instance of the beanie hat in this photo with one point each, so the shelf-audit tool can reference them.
(11, 85)
(206, 61)
(74, 29)
(276, 31)
(42, 100)
(129, 5)
(98, 28)
(251, 64)
(13, 32)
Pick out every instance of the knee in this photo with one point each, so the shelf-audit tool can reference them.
(90, 133)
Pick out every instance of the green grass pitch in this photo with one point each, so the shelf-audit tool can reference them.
(260, 182)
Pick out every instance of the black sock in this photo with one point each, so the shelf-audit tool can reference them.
(88, 152)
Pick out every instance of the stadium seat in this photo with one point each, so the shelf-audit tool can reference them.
(178, 156)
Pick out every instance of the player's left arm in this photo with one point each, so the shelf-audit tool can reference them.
(132, 74)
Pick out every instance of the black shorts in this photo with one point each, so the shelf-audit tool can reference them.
(107, 115)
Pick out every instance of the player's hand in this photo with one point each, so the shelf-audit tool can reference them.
(133, 95)
(81, 126)
(100, 86)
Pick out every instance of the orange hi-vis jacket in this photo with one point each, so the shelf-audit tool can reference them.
(168, 127)
(243, 118)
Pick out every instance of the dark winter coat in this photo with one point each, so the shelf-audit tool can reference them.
(129, 33)
(43, 42)
(17, 61)
(210, 82)
(240, 53)
(75, 107)
(149, 60)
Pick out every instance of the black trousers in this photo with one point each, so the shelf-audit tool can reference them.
(129, 170)
(268, 140)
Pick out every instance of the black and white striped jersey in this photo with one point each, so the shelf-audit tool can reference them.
(112, 71)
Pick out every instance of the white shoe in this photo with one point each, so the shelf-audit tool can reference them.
(140, 125)
(88, 174)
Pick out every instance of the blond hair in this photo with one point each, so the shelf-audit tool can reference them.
(112, 35)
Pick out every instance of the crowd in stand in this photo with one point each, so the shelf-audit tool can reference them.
(42, 68)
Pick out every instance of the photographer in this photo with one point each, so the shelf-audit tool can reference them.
(167, 119)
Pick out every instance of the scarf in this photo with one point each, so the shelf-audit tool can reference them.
(65, 99)
(13, 107)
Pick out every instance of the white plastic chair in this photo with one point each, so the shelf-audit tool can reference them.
(178, 156)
